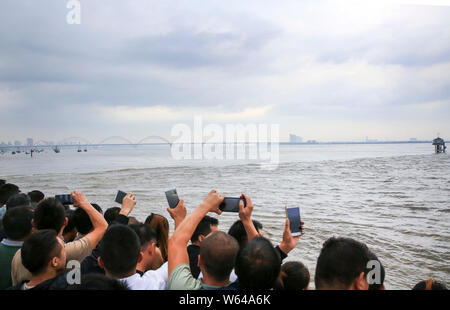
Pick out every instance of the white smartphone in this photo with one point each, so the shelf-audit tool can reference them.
(293, 214)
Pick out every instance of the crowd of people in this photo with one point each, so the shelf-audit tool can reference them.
(43, 242)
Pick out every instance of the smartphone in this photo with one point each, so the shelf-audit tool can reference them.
(231, 204)
(172, 198)
(119, 197)
(293, 214)
(65, 199)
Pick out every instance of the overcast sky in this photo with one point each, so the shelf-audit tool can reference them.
(324, 70)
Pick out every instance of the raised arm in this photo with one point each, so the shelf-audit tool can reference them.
(289, 242)
(245, 214)
(177, 252)
(98, 221)
(178, 213)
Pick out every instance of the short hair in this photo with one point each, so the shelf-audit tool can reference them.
(36, 196)
(212, 220)
(17, 223)
(145, 233)
(49, 214)
(435, 286)
(258, 265)
(203, 228)
(70, 223)
(119, 250)
(97, 281)
(218, 253)
(6, 191)
(377, 286)
(18, 200)
(38, 249)
(341, 261)
(237, 230)
(293, 276)
(111, 214)
(82, 221)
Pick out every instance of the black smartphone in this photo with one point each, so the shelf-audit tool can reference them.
(293, 214)
(119, 197)
(172, 198)
(231, 204)
(65, 199)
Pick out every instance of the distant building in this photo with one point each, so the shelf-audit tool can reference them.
(295, 139)
(370, 140)
(311, 141)
(17, 143)
(30, 142)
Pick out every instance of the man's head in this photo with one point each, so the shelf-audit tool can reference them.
(43, 252)
(50, 214)
(213, 222)
(36, 197)
(2, 182)
(218, 255)
(429, 285)
(111, 214)
(17, 223)
(202, 230)
(147, 238)
(119, 251)
(237, 230)
(18, 200)
(258, 265)
(342, 265)
(82, 221)
(6, 191)
(293, 276)
(70, 231)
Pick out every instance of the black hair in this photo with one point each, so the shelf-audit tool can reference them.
(218, 253)
(17, 223)
(341, 261)
(70, 223)
(2, 182)
(38, 249)
(293, 276)
(6, 191)
(237, 230)
(97, 281)
(111, 214)
(18, 200)
(435, 286)
(258, 265)
(377, 286)
(145, 233)
(119, 250)
(82, 221)
(49, 214)
(203, 228)
(36, 196)
(212, 220)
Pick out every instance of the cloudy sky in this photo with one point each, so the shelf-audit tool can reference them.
(324, 70)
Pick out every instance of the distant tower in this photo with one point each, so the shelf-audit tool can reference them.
(439, 145)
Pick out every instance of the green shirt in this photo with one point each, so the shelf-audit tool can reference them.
(181, 278)
(7, 250)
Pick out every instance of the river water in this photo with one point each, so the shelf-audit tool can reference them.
(393, 197)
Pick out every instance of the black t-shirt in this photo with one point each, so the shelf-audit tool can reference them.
(193, 252)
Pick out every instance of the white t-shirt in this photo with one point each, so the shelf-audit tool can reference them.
(150, 280)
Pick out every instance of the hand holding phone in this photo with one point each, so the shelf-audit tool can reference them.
(230, 204)
(295, 224)
(119, 197)
(172, 198)
(65, 199)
